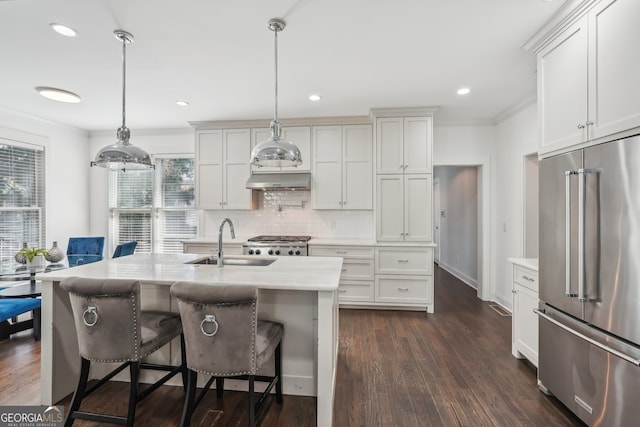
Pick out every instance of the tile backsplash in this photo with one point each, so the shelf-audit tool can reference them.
(290, 213)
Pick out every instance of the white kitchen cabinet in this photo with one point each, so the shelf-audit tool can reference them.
(299, 135)
(524, 337)
(404, 210)
(222, 169)
(404, 145)
(357, 277)
(587, 77)
(404, 276)
(342, 167)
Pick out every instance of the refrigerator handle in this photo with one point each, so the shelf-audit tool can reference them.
(582, 173)
(567, 227)
(591, 341)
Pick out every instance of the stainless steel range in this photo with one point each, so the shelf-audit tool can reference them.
(277, 245)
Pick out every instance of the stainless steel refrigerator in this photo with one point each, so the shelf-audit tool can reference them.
(589, 315)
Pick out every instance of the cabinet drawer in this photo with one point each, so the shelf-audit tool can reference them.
(342, 251)
(404, 261)
(526, 277)
(357, 269)
(355, 291)
(403, 289)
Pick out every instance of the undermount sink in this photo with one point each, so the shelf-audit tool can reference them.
(249, 262)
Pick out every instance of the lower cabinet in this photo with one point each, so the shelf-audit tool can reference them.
(524, 338)
(399, 277)
(356, 281)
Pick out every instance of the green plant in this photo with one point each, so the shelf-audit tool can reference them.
(30, 253)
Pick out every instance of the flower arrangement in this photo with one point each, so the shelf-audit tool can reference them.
(30, 253)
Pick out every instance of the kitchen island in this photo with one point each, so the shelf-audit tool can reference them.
(300, 292)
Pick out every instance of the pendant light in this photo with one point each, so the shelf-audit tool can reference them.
(122, 155)
(276, 151)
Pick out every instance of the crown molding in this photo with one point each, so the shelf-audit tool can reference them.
(375, 113)
(264, 123)
(568, 14)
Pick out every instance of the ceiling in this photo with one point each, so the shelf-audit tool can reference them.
(218, 55)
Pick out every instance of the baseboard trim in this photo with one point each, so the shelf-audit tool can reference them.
(469, 281)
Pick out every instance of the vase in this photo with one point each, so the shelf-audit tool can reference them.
(21, 257)
(37, 261)
(54, 254)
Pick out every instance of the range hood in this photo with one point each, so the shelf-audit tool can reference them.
(279, 181)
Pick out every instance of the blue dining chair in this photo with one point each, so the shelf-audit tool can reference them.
(85, 250)
(126, 248)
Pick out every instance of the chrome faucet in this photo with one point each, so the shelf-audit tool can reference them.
(233, 236)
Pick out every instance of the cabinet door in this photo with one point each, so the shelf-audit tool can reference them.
(562, 89)
(357, 170)
(209, 169)
(236, 145)
(389, 203)
(389, 141)
(418, 226)
(417, 145)
(614, 67)
(327, 167)
(525, 321)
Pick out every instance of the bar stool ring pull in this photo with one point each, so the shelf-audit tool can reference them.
(91, 310)
(209, 318)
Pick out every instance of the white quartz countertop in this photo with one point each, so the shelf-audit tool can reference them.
(286, 273)
(531, 263)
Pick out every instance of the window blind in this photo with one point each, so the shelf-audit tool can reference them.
(155, 208)
(22, 198)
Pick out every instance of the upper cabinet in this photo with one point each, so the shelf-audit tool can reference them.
(404, 145)
(222, 169)
(299, 135)
(342, 167)
(588, 85)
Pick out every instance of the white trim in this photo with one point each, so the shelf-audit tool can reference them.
(469, 281)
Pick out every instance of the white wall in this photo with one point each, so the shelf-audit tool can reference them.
(66, 172)
(516, 137)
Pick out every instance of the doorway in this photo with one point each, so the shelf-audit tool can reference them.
(459, 223)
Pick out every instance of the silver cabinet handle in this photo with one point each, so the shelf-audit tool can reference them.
(513, 291)
(344, 269)
(342, 291)
(589, 123)
(528, 279)
(403, 260)
(567, 239)
(601, 346)
(403, 289)
(341, 252)
(580, 126)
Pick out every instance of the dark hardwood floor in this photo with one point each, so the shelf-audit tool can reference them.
(395, 368)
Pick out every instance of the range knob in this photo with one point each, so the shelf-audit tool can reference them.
(250, 251)
(257, 251)
(290, 252)
(277, 251)
(297, 252)
(270, 252)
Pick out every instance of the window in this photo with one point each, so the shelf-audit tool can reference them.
(154, 207)
(22, 197)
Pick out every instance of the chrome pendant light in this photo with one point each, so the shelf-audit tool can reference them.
(122, 155)
(276, 151)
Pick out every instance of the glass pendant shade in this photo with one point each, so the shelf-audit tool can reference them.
(122, 154)
(275, 151)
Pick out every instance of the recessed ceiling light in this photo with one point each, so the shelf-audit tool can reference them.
(64, 30)
(463, 91)
(314, 97)
(182, 103)
(60, 95)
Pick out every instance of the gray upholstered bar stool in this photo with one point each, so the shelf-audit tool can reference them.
(225, 339)
(112, 328)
